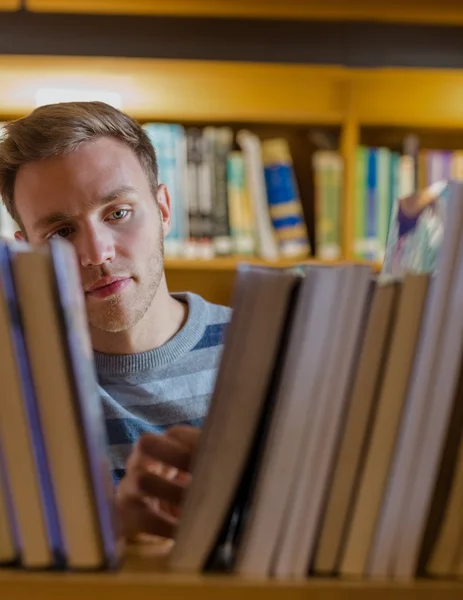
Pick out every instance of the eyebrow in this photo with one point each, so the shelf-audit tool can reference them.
(58, 217)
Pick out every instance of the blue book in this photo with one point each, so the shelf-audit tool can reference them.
(283, 199)
(28, 472)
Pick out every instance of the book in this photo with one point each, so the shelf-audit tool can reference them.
(416, 230)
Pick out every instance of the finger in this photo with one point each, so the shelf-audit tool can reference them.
(166, 450)
(155, 523)
(186, 435)
(141, 517)
(153, 485)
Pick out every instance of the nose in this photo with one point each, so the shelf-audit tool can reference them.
(94, 246)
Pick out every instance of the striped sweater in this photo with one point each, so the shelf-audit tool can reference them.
(169, 385)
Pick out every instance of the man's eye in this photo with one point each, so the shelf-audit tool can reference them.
(62, 232)
(119, 214)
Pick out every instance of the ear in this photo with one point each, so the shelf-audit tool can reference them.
(19, 235)
(163, 200)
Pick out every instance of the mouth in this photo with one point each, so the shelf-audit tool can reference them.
(107, 286)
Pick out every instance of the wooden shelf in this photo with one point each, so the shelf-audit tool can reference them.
(182, 90)
(412, 11)
(411, 97)
(145, 576)
(214, 91)
(231, 263)
(10, 5)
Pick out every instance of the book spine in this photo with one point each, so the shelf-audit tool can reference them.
(241, 221)
(205, 195)
(384, 182)
(193, 167)
(372, 205)
(180, 203)
(360, 202)
(283, 199)
(222, 141)
(255, 180)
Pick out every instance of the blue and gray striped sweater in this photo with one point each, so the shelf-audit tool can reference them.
(169, 385)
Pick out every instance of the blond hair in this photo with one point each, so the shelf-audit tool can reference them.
(58, 129)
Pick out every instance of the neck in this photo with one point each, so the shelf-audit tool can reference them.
(164, 318)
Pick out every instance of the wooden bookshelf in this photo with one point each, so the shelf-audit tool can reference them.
(412, 11)
(145, 576)
(349, 101)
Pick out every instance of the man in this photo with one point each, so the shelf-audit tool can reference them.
(87, 172)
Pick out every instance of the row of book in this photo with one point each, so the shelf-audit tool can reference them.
(382, 177)
(229, 194)
(56, 492)
(235, 194)
(338, 451)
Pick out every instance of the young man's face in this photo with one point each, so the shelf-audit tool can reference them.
(98, 197)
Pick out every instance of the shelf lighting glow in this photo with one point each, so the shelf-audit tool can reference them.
(53, 95)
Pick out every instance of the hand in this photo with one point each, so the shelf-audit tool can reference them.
(158, 472)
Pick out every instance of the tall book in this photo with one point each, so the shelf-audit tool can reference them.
(53, 309)
(284, 199)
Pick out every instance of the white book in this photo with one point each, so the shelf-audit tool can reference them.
(390, 528)
(250, 145)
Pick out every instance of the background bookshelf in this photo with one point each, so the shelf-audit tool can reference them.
(313, 107)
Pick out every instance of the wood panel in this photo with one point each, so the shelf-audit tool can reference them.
(408, 97)
(182, 90)
(214, 91)
(419, 11)
(10, 5)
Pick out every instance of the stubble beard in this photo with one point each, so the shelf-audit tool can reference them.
(122, 312)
